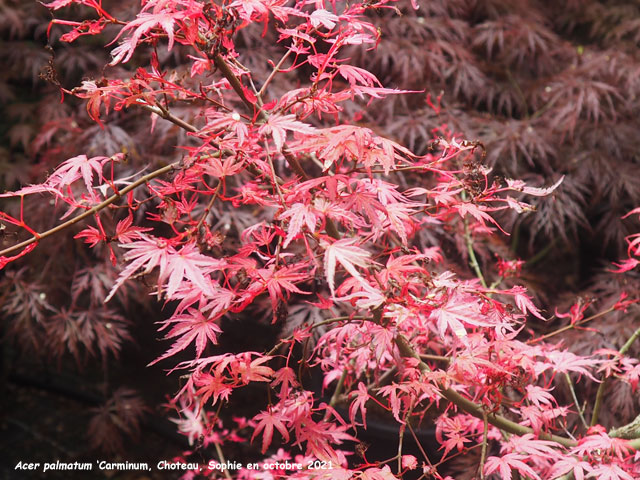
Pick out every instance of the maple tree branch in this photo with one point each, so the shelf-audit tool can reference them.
(474, 409)
(291, 159)
(162, 112)
(400, 442)
(601, 388)
(236, 84)
(434, 358)
(629, 431)
(93, 210)
(261, 115)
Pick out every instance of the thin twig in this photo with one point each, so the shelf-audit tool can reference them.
(434, 358)
(209, 206)
(236, 84)
(274, 176)
(483, 452)
(400, 442)
(222, 461)
(424, 454)
(473, 261)
(92, 210)
(328, 321)
(575, 400)
(572, 326)
(275, 70)
(336, 393)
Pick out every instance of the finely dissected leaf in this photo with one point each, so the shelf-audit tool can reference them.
(44, 188)
(565, 361)
(324, 18)
(356, 75)
(254, 371)
(571, 464)
(523, 301)
(91, 235)
(126, 232)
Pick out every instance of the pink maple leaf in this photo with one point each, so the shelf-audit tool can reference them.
(523, 301)
(91, 235)
(565, 361)
(191, 422)
(299, 215)
(359, 403)
(282, 279)
(571, 464)
(253, 371)
(148, 252)
(145, 22)
(212, 386)
(626, 265)
(347, 254)
(324, 18)
(611, 471)
(458, 310)
(409, 462)
(188, 263)
(504, 465)
(539, 396)
(76, 168)
(599, 441)
(266, 422)
(357, 75)
(31, 189)
(278, 125)
(520, 186)
(478, 212)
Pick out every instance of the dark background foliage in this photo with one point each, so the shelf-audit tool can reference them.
(551, 89)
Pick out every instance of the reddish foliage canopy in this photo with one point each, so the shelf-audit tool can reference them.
(283, 203)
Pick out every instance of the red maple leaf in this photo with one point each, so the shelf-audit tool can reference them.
(192, 326)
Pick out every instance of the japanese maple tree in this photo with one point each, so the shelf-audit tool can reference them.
(281, 203)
